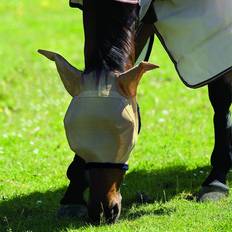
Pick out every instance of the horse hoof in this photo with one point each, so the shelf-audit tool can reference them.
(215, 191)
(72, 211)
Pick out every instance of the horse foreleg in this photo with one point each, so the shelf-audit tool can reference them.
(73, 203)
(220, 95)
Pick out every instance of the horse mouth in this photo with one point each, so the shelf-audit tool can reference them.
(112, 213)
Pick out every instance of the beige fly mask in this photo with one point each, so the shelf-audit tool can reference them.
(101, 125)
(101, 122)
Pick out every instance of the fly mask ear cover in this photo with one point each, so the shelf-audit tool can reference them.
(101, 125)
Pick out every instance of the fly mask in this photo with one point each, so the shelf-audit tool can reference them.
(101, 122)
(101, 125)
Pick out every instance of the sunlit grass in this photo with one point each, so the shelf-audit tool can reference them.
(169, 162)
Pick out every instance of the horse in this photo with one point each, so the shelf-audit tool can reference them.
(114, 39)
(102, 121)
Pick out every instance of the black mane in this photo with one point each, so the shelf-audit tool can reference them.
(109, 34)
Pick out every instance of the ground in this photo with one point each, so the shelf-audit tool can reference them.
(169, 162)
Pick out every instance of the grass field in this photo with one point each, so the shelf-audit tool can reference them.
(169, 162)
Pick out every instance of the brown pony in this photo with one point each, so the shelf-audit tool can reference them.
(113, 41)
(110, 32)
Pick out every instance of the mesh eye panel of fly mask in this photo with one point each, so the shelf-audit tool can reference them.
(101, 125)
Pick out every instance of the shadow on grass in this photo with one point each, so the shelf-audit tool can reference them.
(37, 211)
(163, 184)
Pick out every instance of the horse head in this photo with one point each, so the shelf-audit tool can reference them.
(101, 122)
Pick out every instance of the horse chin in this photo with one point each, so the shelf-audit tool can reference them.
(105, 198)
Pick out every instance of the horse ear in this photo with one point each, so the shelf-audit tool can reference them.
(128, 81)
(70, 76)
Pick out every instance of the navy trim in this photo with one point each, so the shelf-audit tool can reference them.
(218, 76)
(139, 119)
(149, 49)
(75, 5)
(107, 165)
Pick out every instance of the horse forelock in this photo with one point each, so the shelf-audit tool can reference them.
(109, 35)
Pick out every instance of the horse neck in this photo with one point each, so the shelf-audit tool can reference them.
(109, 35)
(100, 82)
(103, 68)
(119, 57)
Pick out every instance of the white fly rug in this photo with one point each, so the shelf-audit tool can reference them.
(197, 34)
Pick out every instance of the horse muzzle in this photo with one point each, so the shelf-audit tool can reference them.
(105, 199)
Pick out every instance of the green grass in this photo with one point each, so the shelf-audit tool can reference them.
(169, 162)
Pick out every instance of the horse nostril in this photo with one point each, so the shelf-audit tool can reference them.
(112, 213)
